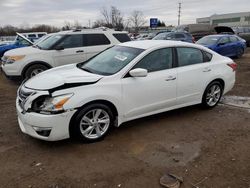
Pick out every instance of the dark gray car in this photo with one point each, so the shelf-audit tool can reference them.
(178, 36)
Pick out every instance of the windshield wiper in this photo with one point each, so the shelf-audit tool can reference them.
(36, 46)
(85, 69)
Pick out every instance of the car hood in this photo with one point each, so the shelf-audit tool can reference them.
(23, 51)
(62, 77)
(223, 29)
(20, 35)
(6, 46)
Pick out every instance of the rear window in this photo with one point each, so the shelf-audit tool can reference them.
(95, 40)
(178, 36)
(122, 37)
(189, 56)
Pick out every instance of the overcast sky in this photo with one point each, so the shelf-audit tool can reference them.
(55, 12)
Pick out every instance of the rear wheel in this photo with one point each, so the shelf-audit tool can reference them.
(93, 122)
(33, 70)
(212, 94)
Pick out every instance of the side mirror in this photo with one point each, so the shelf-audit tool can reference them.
(59, 48)
(138, 72)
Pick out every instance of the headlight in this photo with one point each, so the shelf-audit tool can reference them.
(50, 105)
(12, 59)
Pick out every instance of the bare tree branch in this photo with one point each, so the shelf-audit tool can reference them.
(137, 20)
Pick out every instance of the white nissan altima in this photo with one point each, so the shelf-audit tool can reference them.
(125, 82)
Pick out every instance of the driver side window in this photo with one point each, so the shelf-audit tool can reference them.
(72, 41)
(157, 60)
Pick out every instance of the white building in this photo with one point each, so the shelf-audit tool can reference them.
(232, 19)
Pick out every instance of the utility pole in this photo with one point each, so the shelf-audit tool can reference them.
(89, 23)
(179, 13)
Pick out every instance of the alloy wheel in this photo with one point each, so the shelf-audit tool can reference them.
(213, 95)
(36, 72)
(94, 123)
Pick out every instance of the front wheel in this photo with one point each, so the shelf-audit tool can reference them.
(93, 122)
(33, 70)
(212, 94)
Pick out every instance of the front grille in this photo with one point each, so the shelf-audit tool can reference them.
(23, 94)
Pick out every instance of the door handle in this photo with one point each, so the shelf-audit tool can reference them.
(170, 78)
(79, 51)
(207, 70)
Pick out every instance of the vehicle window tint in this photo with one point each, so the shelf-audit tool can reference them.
(156, 60)
(233, 39)
(32, 36)
(179, 36)
(170, 36)
(95, 39)
(122, 37)
(40, 35)
(207, 56)
(189, 56)
(224, 40)
(72, 41)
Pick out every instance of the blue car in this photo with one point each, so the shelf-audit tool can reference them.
(19, 42)
(224, 44)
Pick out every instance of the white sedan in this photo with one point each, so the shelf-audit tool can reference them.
(125, 82)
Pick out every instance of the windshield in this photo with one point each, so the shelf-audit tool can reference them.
(49, 42)
(111, 60)
(210, 40)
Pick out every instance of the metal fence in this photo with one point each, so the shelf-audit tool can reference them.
(7, 38)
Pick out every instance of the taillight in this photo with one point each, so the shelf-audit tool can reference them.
(233, 66)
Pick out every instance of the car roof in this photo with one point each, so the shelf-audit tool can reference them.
(221, 35)
(98, 30)
(147, 44)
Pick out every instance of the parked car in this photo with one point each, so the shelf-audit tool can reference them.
(226, 45)
(59, 49)
(128, 81)
(34, 35)
(151, 36)
(5, 42)
(19, 42)
(196, 30)
(142, 36)
(178, 36)
(242, 32)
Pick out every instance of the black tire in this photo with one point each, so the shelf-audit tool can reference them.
(248, 43)
(30, 71)
(76, 128)
(240, 53)
(207, 93)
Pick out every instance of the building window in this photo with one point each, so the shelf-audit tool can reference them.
(247, 18)
(226, 20)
